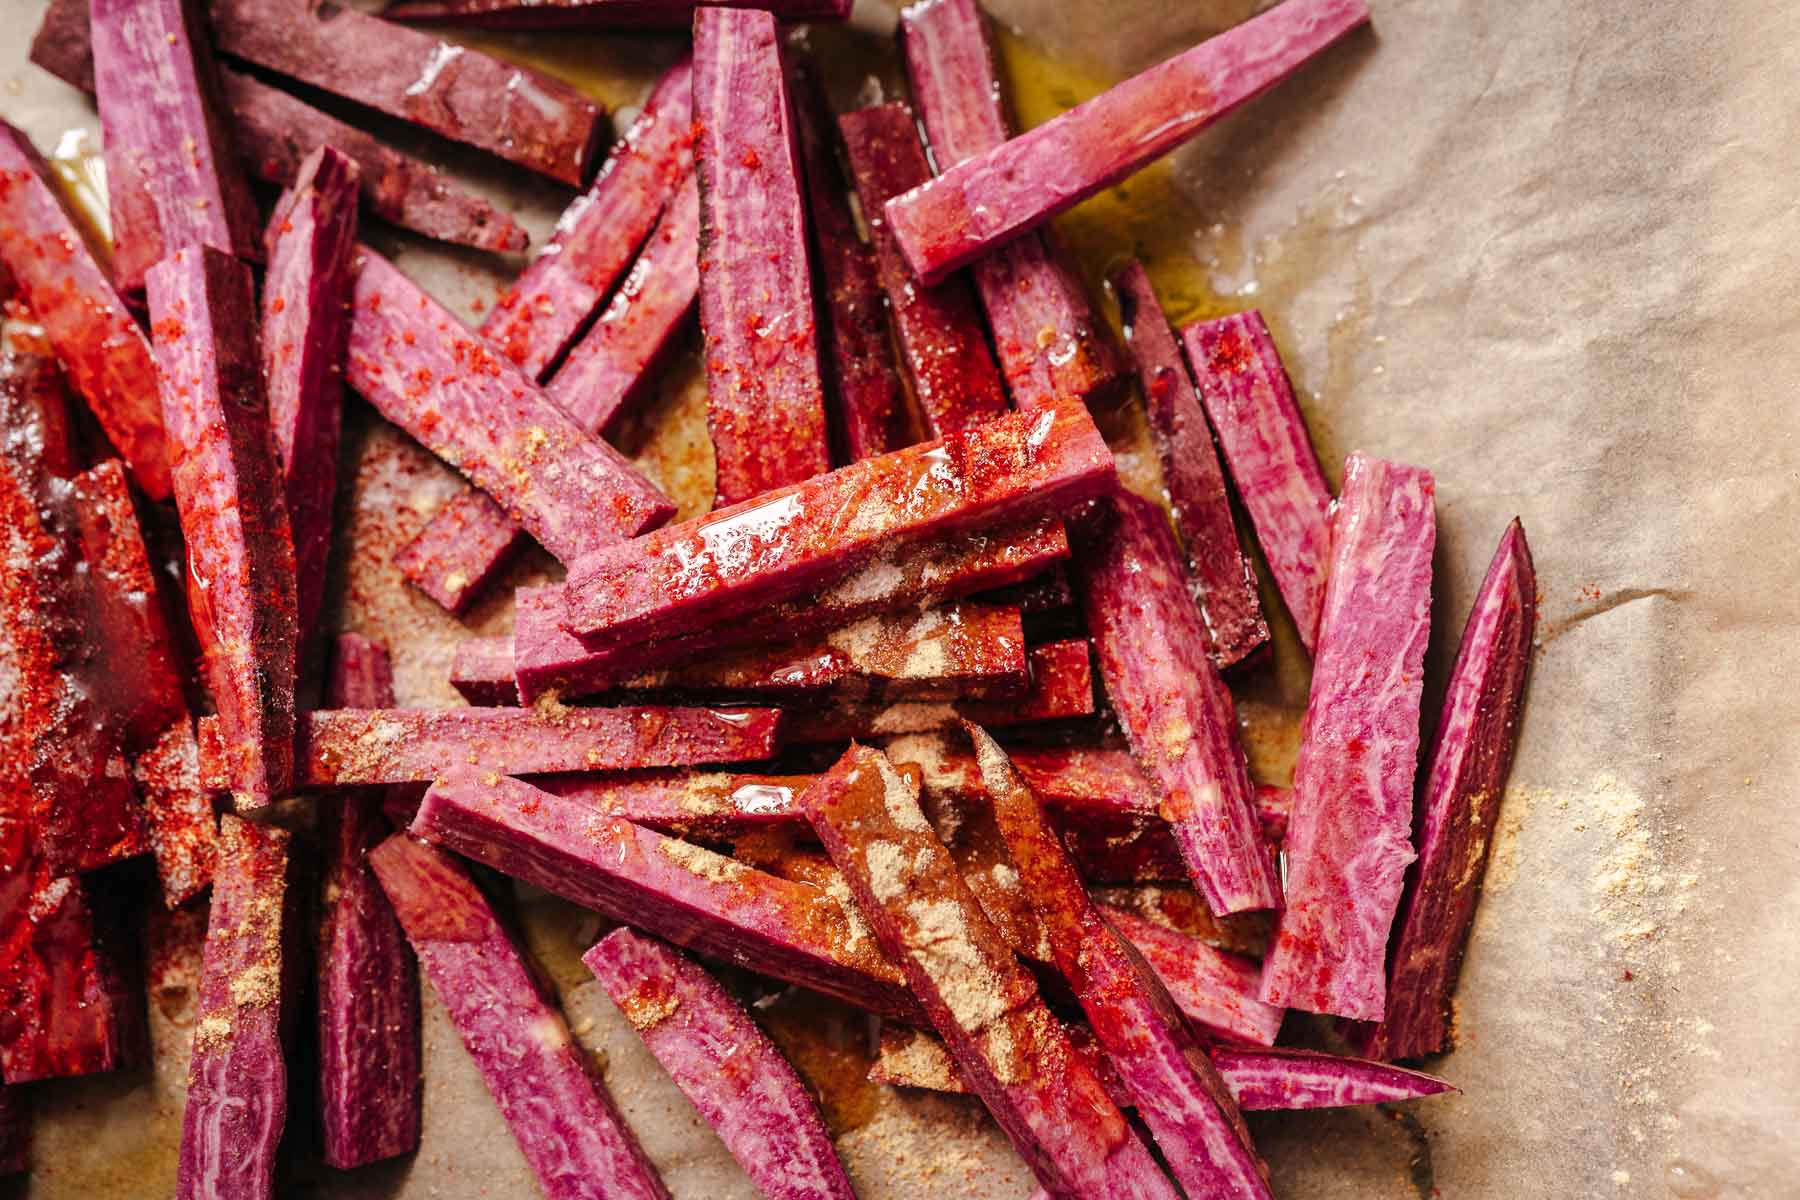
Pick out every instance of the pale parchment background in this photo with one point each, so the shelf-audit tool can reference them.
(1551, 251)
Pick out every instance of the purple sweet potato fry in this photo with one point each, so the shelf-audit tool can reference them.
(510, 111)
(806, 537)
(713, 905)
(1349, 841)
(1250, 403)
(1476, 733)
(571, 1133)
(938, 328)
(1221, 577)
(305, 328)
(70, 294)
(1215, 988)
(240, 553)
(237, 1079)
(461, 550)
(481, 670)
(15, 1131)
(764, 397)
(178, 813)
(991, 198)
(1051, 344)
(368, 747)
(724, 1064)
(868, 400)
(700, 805)
(594, 14)
(1174, 709)
(979, 998)
(368, 1001)
(174, 178)
(425, 372)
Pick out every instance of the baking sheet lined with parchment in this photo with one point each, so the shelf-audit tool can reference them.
(1549, 251)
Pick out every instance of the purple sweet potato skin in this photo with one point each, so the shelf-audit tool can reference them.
(691, 896)
(370, 1097)
(510, 111)
(1222, 579)
(1174, 708)
(726, 1066)
(240, 551)
(993, 197)
(764, 396)
(237, 1079)
(1251, 406)
(174, 178)
(15, 1131)
(1050, 342)
(1349, 839)
(593, 14)
(571, 1133)
(411, 359)
(305, 328)
(1476, 733)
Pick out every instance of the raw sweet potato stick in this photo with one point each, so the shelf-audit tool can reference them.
(724, 1064)
(274, 131)
(70, 294)
(978, 996)
(1000, 193)
(355, 747)
(1223, 581)
(593, 14)
(1476, 733)
(424, 371)
(1050, 342)
(806, 537)
(764, 398)
(1251, 406)
(938, 328)
(1173, 707)
(305, 328)
(241, 590)
(173, 176)
(698, 805)
(510, 111)
(368, 1007)
(571, 1133)
(1349, 841)
(237, 1097)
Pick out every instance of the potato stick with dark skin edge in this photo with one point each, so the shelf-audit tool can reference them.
(1476, 734)
(15, 1131)
(809, 536)
(938, 328)
(1062, 686)
(471, 538)
(355, 747)
(1350, 838)
(274, 132)
(1269, 453)
(540, 315)
(765, 404)
(370, 1097)
(565, 1122)
(237, 1097)
(724, 1064)
(702, 805)
(305, 328)
(911, 575)
(593, 14)
(174, 178)
(1173, 707)
(240, 553)
(1050, 342)
(70, 294)
(69, 1005)
(692, 896)
(510, 111)
(1215, 988)
(1221, 577)
(868, 400)
(988, 200)
(179, 822)
(424, 371)
(978, 996)
(1162, 1065)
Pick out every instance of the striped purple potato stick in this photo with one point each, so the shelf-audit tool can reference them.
(593, 14)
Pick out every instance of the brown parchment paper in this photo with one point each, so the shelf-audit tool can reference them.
(1549, 250)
